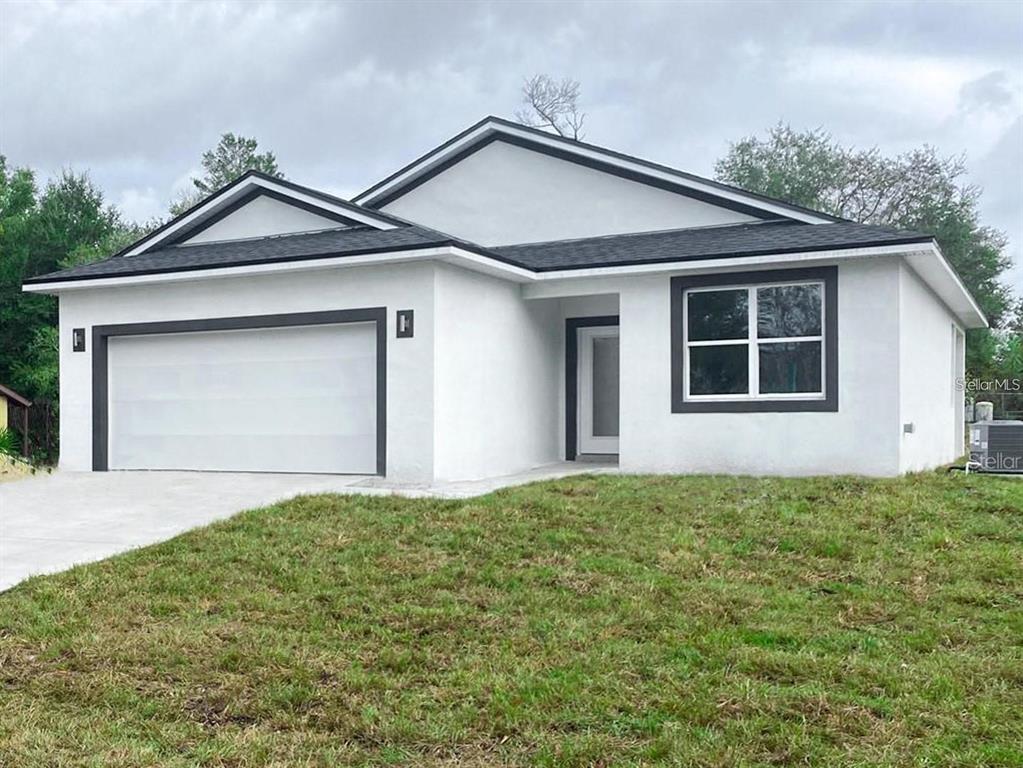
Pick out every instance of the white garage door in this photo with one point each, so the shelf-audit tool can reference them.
(296, 399)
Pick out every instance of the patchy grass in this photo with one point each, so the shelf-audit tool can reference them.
(591, 621)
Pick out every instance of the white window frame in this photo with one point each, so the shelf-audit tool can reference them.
(753, 343)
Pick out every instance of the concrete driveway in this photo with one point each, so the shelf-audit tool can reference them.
(50, 522)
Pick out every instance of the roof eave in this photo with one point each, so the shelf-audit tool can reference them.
(924, 256)
(9, 394)
(452, 251)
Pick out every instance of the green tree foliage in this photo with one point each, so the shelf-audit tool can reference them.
(233, 156)
(67, 223)
(919, 190)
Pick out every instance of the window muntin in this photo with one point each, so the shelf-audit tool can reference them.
(780, 356)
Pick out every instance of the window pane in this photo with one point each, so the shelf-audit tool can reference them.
(788, 310)
(715, 315)
(790, 367)
(720, 370)
(605, 386)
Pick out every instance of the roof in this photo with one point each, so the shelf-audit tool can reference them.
(611, 250)
(244, 188)
(733, 241)
(493, 128)
(10, 394)
(351, 241)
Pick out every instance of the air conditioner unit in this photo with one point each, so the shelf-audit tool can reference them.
(997, 446)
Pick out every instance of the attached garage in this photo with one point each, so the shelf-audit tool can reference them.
(283, 393)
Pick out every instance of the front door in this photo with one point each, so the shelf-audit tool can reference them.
(598, 389)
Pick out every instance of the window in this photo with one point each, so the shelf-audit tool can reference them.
(755, 341)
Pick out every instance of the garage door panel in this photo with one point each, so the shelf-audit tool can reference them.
(305, 415)
(251, 453)
(296, 399)
(220, 380)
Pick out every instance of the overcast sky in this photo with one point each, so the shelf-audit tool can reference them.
(345, 93)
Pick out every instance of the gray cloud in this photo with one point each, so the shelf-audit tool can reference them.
(991, 91)
(346, 93)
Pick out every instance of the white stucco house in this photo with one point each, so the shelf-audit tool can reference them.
(511, 299)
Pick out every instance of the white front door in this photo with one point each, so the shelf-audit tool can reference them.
(598, 389)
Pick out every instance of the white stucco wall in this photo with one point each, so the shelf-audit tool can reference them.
(261, 217)
(927, 395)
(861, 438)
(410, 361)
(496, 385)
(479, 390)
(505, 194)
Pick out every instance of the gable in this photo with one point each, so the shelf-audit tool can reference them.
(504, 193)
(298, 209)
(262, 216)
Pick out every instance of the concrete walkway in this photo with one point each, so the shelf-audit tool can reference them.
(49, 523)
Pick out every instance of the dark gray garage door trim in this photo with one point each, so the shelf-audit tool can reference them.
(100, 376)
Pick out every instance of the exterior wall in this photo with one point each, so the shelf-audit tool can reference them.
(479, 390)
(3, 413)
(410, 418)
(261, 217)
(928, 398)
(861, 438)
(496, 377)
(505, 194)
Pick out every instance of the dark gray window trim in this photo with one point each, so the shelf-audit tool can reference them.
(100, 377)
(829, 276)
(572, 325)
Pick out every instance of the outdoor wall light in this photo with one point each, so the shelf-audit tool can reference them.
(78, 340)
(405, 324)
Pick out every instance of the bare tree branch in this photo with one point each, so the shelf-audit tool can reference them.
(552, 105)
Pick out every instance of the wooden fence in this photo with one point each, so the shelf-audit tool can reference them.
(41, 442)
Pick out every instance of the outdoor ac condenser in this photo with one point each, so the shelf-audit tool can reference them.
(997, 446)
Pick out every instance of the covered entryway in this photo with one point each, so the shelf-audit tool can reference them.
(289, 393)
(592, 387)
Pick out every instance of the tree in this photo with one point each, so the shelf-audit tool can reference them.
(552, 105)
(919, 190)
(232, 157)
(68, 222)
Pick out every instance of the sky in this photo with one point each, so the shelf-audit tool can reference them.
(346, 93)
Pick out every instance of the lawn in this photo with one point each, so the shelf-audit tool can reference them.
(595, 620)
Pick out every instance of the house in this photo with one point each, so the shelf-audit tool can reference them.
(9, 399)
(507, 300)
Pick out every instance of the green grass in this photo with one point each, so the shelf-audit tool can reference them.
(591, 621)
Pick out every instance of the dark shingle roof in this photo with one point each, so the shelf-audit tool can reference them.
(612, 250)
(703, 243)
(350, 241)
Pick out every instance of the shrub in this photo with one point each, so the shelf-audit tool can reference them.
(10, 444)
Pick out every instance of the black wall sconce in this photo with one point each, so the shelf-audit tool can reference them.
(78, 340)
(405, 324)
